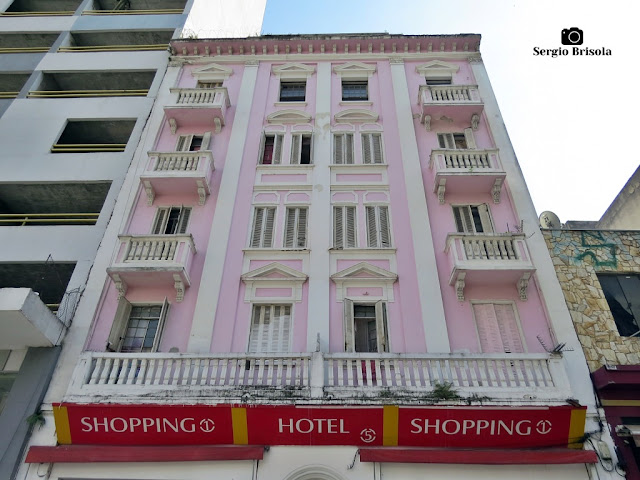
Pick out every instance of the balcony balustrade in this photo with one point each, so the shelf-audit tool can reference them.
(153, 260)
(493, 258)
(198, 106)
(178, 172)
(450, 102)
(470, 171)
(370, 378)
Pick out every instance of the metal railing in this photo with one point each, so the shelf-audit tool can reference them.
(24, 49)
(22, 219)
(113, 48)
(87, 147)
(8, 94)
(86, 93)
(37, 14)
(158, 11)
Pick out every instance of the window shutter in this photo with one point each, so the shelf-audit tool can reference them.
(464, 220)
(457, 215)
(508, 326)
(385, 234)
(301, 237)
(372, 231)
(161, 221)
(471, 141)
(488, 330)
(381, 326)
(366, 148)
(376, 140)
(350, 227)
(267, 238)
(206, 140)
(185, 213)
(119, 324)
(445, 140)
(290, 228)
(338, 231)
(485, 219)
(163, 317)
(184, 143)
(338, 148)
(270, 329)
(348, 326)
(348, 148)
(277, 149)
(257, 227)
(296, 146)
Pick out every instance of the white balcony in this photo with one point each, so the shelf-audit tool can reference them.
(469, 171)
(198, 106)
(493, 258)
(450, 102)
(369, 378)
(153, 261)
(170, 173)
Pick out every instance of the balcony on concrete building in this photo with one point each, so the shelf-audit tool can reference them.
(489, 259)
(135, 7)
(12, 83)
(458, 103)
(192, 107)
(467, 171)
(178, 173)
(27, 42)
(88, 136)
(117, 41)
(125, 83)
(153, 261)
(28, 8)
(337, 377)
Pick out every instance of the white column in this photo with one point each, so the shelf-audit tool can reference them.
(320, 216)
(431, 306)
(546, 278)
(209, 291)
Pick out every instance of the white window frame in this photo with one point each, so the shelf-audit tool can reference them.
(368, 142)
(297, 139)
(183, 143)
(343, 149)
(449, 141)
(278, 143)
(468, 218)
(517, 321)
(342, 245)
(291, 233)
(378, 226)
(382, 325)
(290, 82)
(263, 225)
(121, 322)
(354, 81)
(271, 306)
(161, 220)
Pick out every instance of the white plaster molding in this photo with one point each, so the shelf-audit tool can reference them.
(437, 69)
(217, 125)
(373, 277)
(460, 284)
(173, 125)
(179, 286)
(496, 190)
(427, 122)
(292, 71)
(523, 284)
(202, 192)
(475, 121)
(355, 115)
(148, 188)
(120, 285)
(354, 70)
(289, 116)
(260, 278)
(212, 73)
(442, 186)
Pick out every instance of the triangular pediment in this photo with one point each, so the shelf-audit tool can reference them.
(289, 116)
(293, 70)
(364, 270)
(437, 69)
(354, 69)
(356, 115)
(212, 72)
(274, 271)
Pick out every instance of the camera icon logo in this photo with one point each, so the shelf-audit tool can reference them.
(571, 36)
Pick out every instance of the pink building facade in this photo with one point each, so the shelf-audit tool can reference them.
(329, 224)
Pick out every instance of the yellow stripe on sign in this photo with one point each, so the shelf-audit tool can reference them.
(63, 431)
(576, 427)
(390, 416)
(239, 423)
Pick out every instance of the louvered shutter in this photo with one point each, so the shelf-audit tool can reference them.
(163, 316)
(161, 221)
(184, 143)
(464, 219)
(381, 327)
(348, 148)
(350, 227)
(385, 233)
(267, 238)
(277, 149)
(119, 324)
(185, 213)
(376, 144)
(446, 141)
(290, 228)
(469, 137)
(301, 234)
(206, 141)
(338, 149)
(349, 340)
(270, 329)
(488, 330)
(508, 326)
(338, 227)
(485, 219)
(296, 147)
(372, 230)
(366, 148)
(256, 234)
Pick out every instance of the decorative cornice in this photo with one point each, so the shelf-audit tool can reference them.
(293, 70)
(289, 117)
(356, 115)
(354, 70)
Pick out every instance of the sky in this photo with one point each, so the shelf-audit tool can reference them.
(564, 115)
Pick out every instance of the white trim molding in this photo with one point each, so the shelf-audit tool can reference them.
(263, 277)
(212, 73)
(289, 116)
(356, 115)
(437, 69)
(354, 70)
(293, 71)
(364, 274)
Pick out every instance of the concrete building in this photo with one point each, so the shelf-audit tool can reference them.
(324, 246)
(77, 83)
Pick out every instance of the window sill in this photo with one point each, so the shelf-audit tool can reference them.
(290, 104)
(347, 166)
(363, 250)
(287, 166)
(355, 102)
(283, 250)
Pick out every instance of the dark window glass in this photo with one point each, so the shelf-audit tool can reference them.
(438, 81)
(355, 91)
(623, 296)
(292, 91)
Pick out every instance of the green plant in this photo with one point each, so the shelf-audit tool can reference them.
(443, 391)
(36, 418)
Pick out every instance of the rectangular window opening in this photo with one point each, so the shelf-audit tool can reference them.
(355, 90)
(293, 91)
(622, 292)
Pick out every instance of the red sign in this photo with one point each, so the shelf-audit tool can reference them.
(389, 425)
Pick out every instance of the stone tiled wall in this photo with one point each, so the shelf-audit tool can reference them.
(578, 255)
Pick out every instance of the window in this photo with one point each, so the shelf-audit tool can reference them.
(438, 81)
(365, 327)
(344, 227)
(452, 141)
(270, 329)
(622, 292)
(378, 232)
(292, 91)
(171, 221)
(498, 329)
(6, 382)
(263, 223)
(295, 230)
(472, 218)
(343, 148)
(271, 149)
(355, 90)
(371, 148)
(300, 149)
(193, 143)
(209, 85)
(137, 328)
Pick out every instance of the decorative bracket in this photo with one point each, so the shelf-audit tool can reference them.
(475, 121)
(218, 124)
(427, 123)
(441, 189)
(148, 188)
(174, 125)
(202, 192)
(523, 284)
(460, 284)
(121, 287)
(179, 285)
(496, 190)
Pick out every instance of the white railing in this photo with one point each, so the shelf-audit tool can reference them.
(472, 161)
(202, 97)
(449, 94)
(155, 249)
(179, 161)
(315, 375)
(505, 247)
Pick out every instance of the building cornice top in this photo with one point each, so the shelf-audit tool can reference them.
(349, 44)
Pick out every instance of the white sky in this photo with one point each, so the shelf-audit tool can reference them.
(567, 117)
